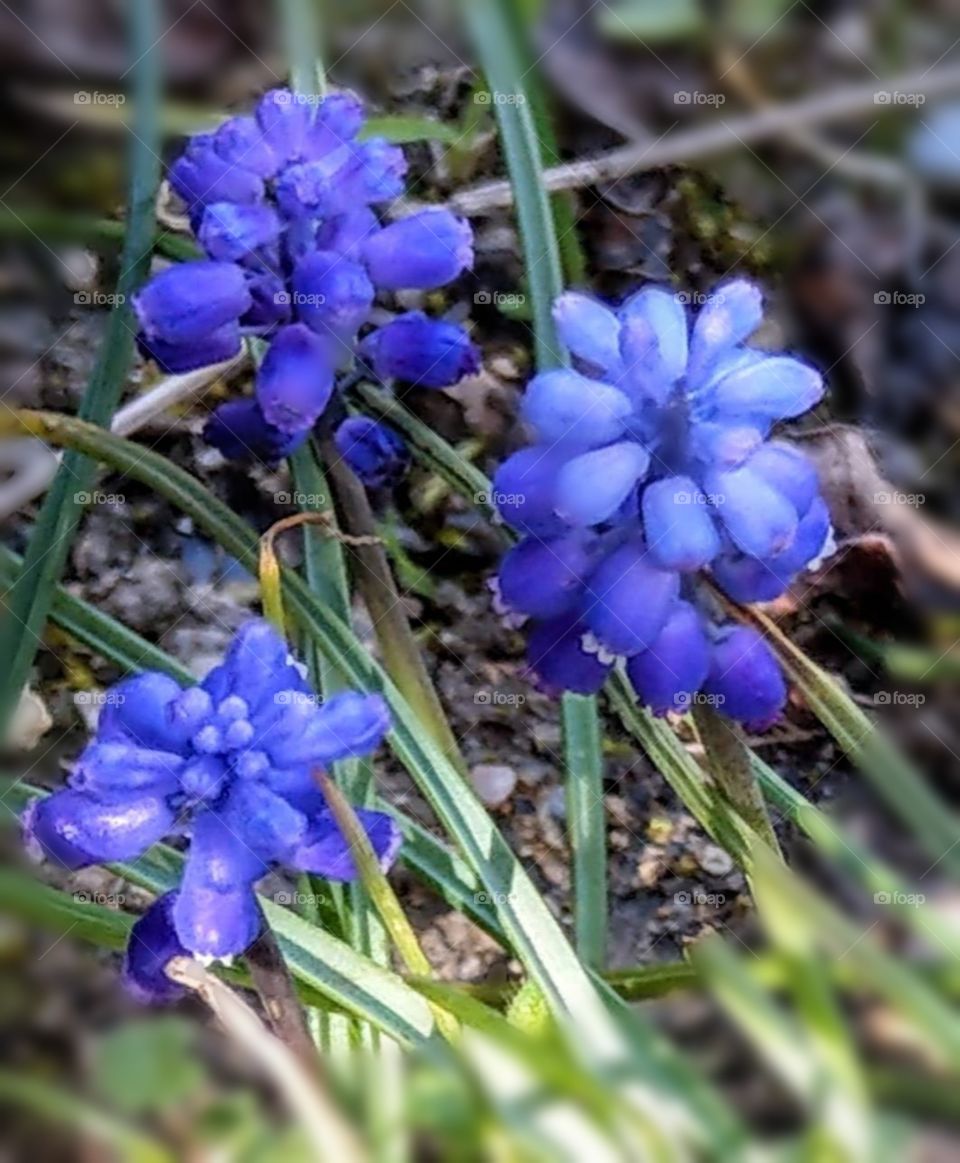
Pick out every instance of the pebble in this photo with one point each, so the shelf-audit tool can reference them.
(714, 860)
(493, 782)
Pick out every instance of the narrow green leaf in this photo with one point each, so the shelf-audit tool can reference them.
(587, 824)
(880, 881)
(543, 1074)
(563, 204)
(28, 603)
(24, 896)
(680, 770)
(498, 32)
(492, 30)
(98, 630)
(407, 129)
(55, 226)
(776, 1036)
(370, 569)
(906, 791)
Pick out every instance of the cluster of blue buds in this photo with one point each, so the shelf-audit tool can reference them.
(229, 762)
(651, 467)
(283, 203)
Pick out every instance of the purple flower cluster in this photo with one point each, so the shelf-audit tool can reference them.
(283, 203)
(230, 763)
(652, 464)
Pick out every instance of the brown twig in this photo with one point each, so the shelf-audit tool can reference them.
(401, 654)
(706, 140)
(273, 983)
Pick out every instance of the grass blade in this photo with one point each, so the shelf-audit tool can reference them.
(28, 603)
(904, 789)
(497, 29)
(587, 822)
(491, 26)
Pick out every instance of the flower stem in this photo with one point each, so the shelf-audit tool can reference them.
(401, 654)
(276, 990)
(729, 763)
(381, 894)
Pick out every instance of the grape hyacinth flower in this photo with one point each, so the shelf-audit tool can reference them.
(229, 763)
(652, 468)
(284, 204)
(375, 453)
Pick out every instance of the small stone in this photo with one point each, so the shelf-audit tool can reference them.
(31, 721)
(533, 774)
(650, 867)
(660, 829)
(715, 861)
(547, 737)
(493, 782)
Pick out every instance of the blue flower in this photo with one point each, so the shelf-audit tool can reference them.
(229, 762)
(285, 205)
(241, 432)
(186, 303)
(425, 251)
(373, 450)
(295, 380)
(650, 465)
(416, 349)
